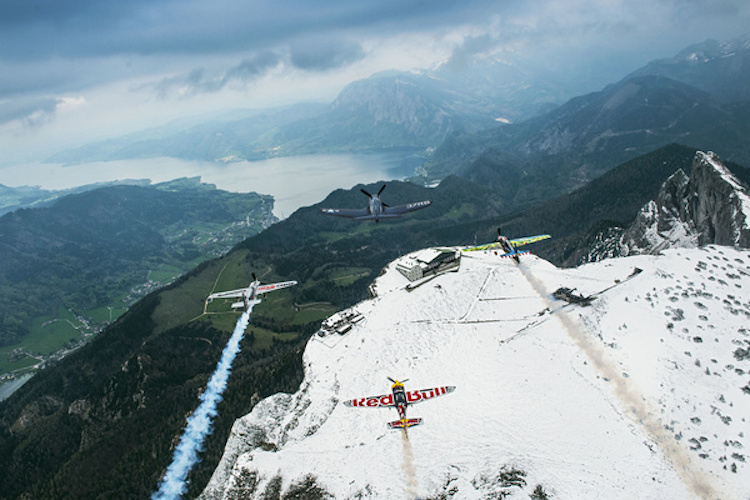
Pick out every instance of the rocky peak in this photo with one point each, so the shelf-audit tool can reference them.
(710, 206)
(719, 204)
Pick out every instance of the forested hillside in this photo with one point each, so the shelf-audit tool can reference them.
(72, 267)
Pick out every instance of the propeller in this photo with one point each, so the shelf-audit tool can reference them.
(369, 195)
(254, 277)
(398, 381)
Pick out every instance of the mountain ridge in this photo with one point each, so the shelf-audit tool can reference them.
(623, 401)
(717, 67)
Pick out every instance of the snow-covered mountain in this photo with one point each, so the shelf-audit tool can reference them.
(643, 394)
(720, 68)
(710, 206)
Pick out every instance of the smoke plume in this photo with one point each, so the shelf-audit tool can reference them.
(634, 403)
(199, 424)
(408, 465)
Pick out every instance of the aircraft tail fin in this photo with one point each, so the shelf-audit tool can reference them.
(404, 423)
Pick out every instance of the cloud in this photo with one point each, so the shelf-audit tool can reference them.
(471, 47)
(251, 68)
(35, 112)
(315, 56)
(314, 36)
(197, 56)
(325, 54)
(197, 82)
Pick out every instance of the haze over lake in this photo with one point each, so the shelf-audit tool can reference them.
(294, 181)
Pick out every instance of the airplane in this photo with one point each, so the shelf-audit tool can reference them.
(376, 209)
(400, 399)
(250, 294)
(509, 246)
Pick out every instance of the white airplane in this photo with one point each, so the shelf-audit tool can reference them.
(250, 294)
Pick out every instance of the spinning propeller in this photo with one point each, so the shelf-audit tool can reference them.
(370, 196)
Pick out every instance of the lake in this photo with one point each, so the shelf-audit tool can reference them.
(294, 181)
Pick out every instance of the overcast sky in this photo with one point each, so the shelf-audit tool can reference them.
(77, 70)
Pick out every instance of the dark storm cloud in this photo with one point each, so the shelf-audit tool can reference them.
(92, 42)
(31, 112)
(251, 68)
(472, 46)
(321, 55)
(82, 43)
(85, 28)
(198, 82)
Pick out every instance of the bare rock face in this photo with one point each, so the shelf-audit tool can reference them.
(663, 222)
(719, 204)
(711, 206)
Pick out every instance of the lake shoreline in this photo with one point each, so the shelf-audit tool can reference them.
(293, 181)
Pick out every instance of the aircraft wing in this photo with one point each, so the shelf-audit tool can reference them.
(386, 400)
(274, 286)
(382, 401)
(486, 246)
(228, 294)
(349, 213)
(403, 209)
(419, 395)
(529, 239)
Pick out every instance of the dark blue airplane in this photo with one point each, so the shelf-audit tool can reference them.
(376, 209)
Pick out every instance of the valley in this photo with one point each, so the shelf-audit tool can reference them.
(55, 300)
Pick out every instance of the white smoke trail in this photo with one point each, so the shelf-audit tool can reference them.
(635, 405)
(408, 465)
(199, 423)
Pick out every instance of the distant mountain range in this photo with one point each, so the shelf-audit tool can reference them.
(390, 109)
(698, 98)
(492, 121)
(719, 68)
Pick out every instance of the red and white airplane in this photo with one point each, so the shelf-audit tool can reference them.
(250, 294)
(400, 399)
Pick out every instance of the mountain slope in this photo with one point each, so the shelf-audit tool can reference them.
(721, 68)
(88, 250)
(590, 134)
(641, 395)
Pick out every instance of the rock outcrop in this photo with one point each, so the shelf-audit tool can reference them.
(710, 206)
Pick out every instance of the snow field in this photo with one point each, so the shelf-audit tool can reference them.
(529, 397)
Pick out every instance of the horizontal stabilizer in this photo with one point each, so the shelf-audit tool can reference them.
(523, 252)
(242, 305)
(404, 423)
